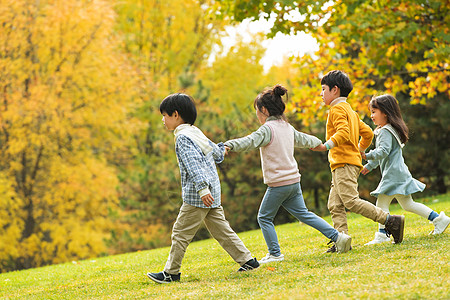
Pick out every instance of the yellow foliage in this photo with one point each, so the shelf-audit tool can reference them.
(66, 95)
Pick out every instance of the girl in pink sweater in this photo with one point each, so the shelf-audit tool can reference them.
(276, 140)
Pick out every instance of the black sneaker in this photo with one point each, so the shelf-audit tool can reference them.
(163, 277)
(250, 265)
(395, 226)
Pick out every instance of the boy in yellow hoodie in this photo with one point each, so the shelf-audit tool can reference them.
(344, 127)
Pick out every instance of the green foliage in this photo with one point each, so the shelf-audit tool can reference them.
(417, 268)
(398, 47)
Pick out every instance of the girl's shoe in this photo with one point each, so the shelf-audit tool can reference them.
(270, 258)
(343, 243)
(440, 223)
(379, 238)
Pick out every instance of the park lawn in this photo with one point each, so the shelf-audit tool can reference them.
(418, 268)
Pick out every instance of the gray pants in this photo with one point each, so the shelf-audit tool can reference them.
(186, 226)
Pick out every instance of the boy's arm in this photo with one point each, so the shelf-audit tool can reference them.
(339, 120)
(366, 134)
(303, 140)
(193, 161)
(218, 152)
(257, 139)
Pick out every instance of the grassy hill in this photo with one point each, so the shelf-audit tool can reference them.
(418, 268)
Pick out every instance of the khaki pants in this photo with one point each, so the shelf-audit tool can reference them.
(344, 194)
(186, 226)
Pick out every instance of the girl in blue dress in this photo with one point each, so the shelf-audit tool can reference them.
(396, 181)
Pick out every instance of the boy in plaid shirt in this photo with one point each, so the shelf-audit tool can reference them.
(197, 157)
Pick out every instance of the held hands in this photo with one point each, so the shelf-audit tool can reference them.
(227, 149)
(363, 155)
(208, 200)
(365, 171)
(321, 147)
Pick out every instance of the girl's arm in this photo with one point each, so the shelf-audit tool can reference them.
(255, 140)
(303, 140)
(384, 146)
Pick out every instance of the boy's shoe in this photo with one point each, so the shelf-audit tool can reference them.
(379, 238)
(395, 226)
(343, 243)
(250, 265)
(440, 223)
(270, 258)
(163, 277)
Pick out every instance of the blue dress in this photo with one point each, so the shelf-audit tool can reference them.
(395, 176)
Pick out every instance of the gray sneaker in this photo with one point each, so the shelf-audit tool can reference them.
(343, 243)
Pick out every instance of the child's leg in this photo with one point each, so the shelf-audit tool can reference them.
(337, 208)
(408, 204)
(346, 182)
(221, 230)
(270, 204)
(383, 202)
(186, 226)
(295, 205)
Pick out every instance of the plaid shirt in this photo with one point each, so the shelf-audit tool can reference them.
(198, 171)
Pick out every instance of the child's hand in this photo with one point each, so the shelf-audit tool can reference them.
(321, 147)
(227, 149)
(365, 171)
(363, 155)
(208, 200)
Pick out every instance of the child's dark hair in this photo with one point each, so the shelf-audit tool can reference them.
(272, 101)
(183, 104)
(339, 79)
(388, 105)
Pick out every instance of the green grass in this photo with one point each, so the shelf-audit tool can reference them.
(416, 269)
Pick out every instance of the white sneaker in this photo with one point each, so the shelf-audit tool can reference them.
(343, 243)
(440, 223)
(270, 258)
(379, 238)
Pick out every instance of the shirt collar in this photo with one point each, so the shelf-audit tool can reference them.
(338, 100)
(271, 118)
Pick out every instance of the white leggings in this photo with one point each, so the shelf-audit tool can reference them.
(406, 202)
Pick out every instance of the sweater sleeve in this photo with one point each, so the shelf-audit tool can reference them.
(340, 123)
(255, 140)
(366, 134)
(303, 140)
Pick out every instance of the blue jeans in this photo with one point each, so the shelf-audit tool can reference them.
(291, 198)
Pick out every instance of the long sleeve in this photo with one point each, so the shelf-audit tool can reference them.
(383, 147)
(341, 125)
(255, 140)
(192, 161)
(366, 134)
(382, 150)
(303, 140)
(218, 152)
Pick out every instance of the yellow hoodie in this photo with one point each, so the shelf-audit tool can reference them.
(344, 127)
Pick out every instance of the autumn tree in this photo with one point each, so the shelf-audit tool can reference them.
(167, 42)
(399, 47)
(65, 94)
